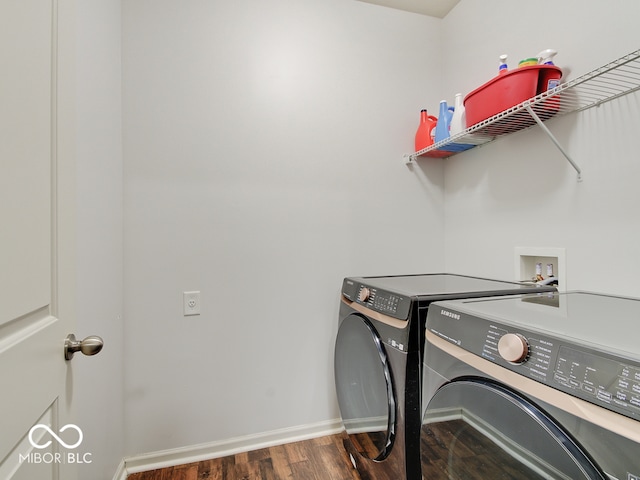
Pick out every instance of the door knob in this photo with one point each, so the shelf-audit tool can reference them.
(89, 346)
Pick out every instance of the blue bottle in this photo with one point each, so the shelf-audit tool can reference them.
(442, 127)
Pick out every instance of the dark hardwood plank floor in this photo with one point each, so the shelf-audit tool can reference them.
(450, 450)
(321, 458)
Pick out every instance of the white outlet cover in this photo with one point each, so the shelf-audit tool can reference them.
(191, 303)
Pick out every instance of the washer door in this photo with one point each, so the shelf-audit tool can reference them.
(365, 388)
(477, 428)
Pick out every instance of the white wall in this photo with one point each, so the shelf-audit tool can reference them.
(520, 191)
(263, 164)
(263, 148)
(98, 381)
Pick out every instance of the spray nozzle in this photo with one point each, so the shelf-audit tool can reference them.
(545, 57)
(502, 68)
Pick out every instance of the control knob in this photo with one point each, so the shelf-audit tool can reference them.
(513, 347)
(364, 294)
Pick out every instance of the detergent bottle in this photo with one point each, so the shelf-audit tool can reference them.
(442, 127)
(459, 120)
(424, 137)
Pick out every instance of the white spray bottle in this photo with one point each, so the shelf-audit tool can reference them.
(545, 57)
(459, 119)
(502, 67)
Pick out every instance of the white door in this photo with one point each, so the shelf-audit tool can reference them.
(38, 437)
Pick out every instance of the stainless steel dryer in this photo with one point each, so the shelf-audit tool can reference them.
(378, 363)
(532, 387)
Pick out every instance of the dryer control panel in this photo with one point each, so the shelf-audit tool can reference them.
(597, 376)
(377, 299)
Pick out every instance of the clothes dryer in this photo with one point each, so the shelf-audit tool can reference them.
(378, 363)
(532, 387)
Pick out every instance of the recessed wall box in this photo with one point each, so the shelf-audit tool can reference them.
(547, 258)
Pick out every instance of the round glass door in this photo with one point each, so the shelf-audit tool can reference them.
(364, 387)
(476, 428)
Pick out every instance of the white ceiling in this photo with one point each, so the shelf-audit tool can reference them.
(433, 8)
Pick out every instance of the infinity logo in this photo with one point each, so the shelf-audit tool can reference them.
(60, 441)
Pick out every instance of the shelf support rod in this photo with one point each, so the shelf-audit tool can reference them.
(554, 140)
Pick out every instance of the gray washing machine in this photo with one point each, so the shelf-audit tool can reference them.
(532, 387)
(378, 363)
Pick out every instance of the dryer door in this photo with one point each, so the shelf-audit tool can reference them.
(365, 387)
(477, 428)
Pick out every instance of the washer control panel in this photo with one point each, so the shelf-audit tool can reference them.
(377, 299)
(599, 377)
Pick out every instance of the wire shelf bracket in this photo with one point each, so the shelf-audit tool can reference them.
(544, 128)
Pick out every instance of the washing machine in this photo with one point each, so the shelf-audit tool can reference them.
(378, 355)
(532, 387)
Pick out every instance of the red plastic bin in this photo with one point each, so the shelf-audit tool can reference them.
(507, 90)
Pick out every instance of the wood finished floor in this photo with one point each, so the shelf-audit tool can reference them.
(450, 450)
(318, 459)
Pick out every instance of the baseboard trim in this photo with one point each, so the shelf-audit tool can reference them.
(121, 472)
(206, 451)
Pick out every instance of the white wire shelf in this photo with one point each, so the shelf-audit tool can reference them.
(606, 83)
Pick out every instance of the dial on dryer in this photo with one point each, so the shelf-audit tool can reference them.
(513, 347)
(364, 294)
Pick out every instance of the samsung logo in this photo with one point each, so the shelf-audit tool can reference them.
(446, 313)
